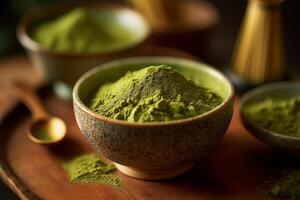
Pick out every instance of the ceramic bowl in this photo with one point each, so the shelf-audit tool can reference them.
(159, 150)
(67, 67)
(279, 90)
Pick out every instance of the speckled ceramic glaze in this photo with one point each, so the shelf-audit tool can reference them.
(153, 151)
(281, 90)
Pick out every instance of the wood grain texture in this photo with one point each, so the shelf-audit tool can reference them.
(11, 69)
(234, 170)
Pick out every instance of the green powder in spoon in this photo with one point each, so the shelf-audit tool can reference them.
(153, 94)
(43, 135)
(91, 169)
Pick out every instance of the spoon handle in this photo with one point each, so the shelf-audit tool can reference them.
(30, 99)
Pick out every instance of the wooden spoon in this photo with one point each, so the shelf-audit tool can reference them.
(44, 128)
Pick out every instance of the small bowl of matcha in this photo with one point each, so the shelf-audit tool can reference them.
(271, 113)
(65, 41)
(153, 116)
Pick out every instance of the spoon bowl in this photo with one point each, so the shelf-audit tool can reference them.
(44, 129)
(47, 131)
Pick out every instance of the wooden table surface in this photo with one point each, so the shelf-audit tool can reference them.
(13, 68)
(234, 170)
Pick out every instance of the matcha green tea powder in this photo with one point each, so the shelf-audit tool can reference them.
(280, 116)
(89, 168)
(82, 31)
(153, 94)
(286, 186)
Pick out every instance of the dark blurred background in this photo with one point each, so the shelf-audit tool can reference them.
(231, 14)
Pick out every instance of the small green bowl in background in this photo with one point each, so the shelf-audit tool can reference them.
(278, 90)
(66, 68)
(157, 150)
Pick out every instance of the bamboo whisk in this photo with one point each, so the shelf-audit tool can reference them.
(258, 53)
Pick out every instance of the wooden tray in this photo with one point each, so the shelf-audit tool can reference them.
(234, 170)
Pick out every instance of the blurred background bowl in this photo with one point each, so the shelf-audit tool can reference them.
(156, 150)
(186, 25)
(279, 90)
(66, 68)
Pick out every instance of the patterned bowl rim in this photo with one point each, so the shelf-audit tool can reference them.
(135, 60)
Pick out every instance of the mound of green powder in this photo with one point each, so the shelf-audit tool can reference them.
(286, 186)
(280, 116)
(82, 31)
(91, 169)
(153, 94)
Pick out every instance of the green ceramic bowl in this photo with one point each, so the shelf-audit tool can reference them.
(66, 68)
(157, 150)
(279, 90)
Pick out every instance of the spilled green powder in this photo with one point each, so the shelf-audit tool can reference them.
(280, 116)
(83, 31)
(286, 186)
(91, 169)
(153, 94)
